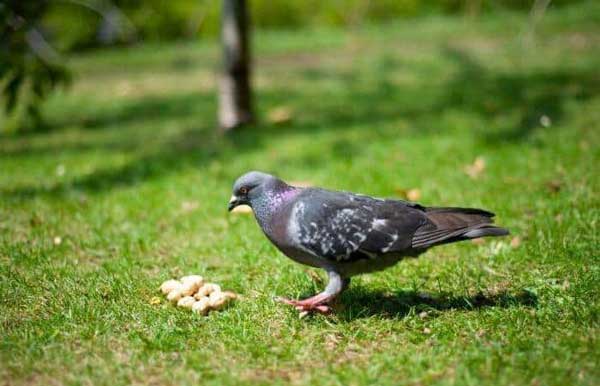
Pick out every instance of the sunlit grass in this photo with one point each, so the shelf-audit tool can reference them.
(377, 110)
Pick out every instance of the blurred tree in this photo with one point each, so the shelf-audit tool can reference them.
(29, 66)
(235, 95)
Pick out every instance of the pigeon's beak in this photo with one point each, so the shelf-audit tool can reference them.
(233, 202)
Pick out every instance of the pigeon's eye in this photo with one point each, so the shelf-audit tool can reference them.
(243, 190)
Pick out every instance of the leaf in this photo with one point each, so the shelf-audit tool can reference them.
(554, 186)
(479, 241)
(515, 242)
(280, 115)
(475, 169)
(12, 90)
(413, 194)
(189, 206)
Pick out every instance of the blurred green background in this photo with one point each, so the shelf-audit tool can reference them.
(35, 35)
(83, 24)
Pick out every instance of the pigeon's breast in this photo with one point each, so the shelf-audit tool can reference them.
(282, 227)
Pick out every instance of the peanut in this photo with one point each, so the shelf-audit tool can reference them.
(202, 306)
(192, 292)
(194, 279)
(169, 286)
(189, 287)
(186, 302)
(175, 295)
(218, 300)
(208, 288)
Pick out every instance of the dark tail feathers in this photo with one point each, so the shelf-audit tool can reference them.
(447, 225)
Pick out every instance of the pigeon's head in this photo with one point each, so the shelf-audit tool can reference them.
(249, 187)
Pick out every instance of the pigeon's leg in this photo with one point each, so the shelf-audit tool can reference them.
(320, 301)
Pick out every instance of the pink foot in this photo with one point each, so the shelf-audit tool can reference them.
(316, 303)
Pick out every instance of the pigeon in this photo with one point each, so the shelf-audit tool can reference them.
(348, 234)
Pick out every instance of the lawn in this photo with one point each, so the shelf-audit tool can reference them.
(129, 187)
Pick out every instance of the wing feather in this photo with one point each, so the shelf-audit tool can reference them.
(343, 227)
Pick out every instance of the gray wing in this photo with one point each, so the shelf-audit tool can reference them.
(344, 227)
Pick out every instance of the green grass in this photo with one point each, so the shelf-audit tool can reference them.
(376, 110)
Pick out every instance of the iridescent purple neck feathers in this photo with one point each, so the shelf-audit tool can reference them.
(270, 201)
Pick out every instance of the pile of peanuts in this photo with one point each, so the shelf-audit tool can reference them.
(192, 292)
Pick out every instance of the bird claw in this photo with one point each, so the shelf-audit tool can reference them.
(305, 307)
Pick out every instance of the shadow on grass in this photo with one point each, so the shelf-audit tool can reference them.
(190, 148)
(526, 96)
(358, 302)
(511, 102)
(152, 108)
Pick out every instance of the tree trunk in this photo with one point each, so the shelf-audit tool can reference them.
(235, 98)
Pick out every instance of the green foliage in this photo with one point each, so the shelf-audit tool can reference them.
(29, 70)
(76, 26)
(296, 14)
(135, 182)
(72, 25)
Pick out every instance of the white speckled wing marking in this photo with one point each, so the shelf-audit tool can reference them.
(339, 233)
(295, 229)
